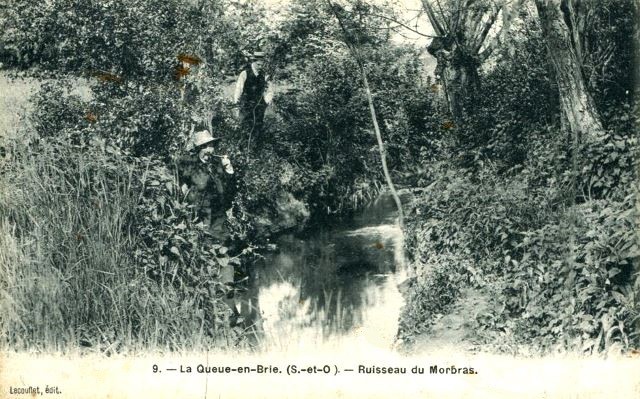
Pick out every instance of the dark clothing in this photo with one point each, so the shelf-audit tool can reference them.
(251, 103)
(206, 191)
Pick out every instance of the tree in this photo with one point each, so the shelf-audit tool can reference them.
(563, 27)
(607, 34)
(462, 44)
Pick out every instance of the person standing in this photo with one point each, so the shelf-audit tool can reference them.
(252, 95)
(204, 176)
(208, 180)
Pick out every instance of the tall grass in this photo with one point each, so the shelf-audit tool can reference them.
(68, 278)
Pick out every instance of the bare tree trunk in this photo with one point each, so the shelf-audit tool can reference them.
(579, 115)
(456, 70)
(383, 158)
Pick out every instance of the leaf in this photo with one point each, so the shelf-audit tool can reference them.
(224, 262)
(226, 274)
(633, 252)
(175, 251)
(614, 272)
(621, 299)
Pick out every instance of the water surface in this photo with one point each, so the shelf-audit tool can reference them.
(335, 285)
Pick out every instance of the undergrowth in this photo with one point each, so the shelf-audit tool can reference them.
(79, 269)
(561, 265)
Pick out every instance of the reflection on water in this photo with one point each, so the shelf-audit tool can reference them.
(335, 285)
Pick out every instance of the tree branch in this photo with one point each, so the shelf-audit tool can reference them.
(402, 25)
(437, 27)
(481, 37)
(354, 51)
(496, 41)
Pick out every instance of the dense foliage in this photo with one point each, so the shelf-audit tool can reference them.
(128, 96)
(552, 240)
(507, 201)
(120, 261)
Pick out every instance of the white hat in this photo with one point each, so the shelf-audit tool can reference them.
(203, 137)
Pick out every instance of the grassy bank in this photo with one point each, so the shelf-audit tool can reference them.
(69, 273)
(76, 261)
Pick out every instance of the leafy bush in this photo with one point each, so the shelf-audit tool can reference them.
(175, 246)
(324, 124)
(107, 38)
(107, 248)
(564, 268)
(271, 197)
(145, 119)
(515, 105)
(441, 276)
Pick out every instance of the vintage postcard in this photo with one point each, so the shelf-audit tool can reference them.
(319, 199)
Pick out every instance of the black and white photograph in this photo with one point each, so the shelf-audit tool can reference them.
(319, 199)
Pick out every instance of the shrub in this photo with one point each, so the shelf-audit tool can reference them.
(98, 253)
(562, 264)
(441, 276)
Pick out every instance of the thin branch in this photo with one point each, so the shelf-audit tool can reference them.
(444, 17)
(402, 25)
(355, 53)
(433, 19)
(396, 29)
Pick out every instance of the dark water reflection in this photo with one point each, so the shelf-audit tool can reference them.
(332, 281)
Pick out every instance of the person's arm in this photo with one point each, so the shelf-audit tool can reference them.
(239, 86)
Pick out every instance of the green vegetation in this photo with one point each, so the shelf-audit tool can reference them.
(100, 246)
(544, 224)
(81, 263)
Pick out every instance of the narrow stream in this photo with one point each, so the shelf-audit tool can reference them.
(335, 286)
